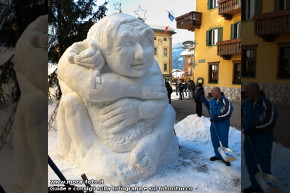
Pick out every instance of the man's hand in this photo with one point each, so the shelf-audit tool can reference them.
(120, 114)
(202, 98)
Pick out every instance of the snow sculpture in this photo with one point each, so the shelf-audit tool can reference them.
(30, 122)
(114, 119)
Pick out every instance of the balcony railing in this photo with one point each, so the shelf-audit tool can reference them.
(228, 48)
(227, 8)
(189, 21)
(268, 25)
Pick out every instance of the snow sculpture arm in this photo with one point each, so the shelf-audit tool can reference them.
(126, 112)
(88, 54)
(99, 87)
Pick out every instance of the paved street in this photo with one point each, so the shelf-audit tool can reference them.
(186, 107)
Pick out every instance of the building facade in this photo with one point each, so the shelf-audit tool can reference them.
(266, 47)
(189, 60)
(163, 50)
(217, 27)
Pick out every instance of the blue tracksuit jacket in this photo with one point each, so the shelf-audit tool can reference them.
(221, 111)
(259, 119)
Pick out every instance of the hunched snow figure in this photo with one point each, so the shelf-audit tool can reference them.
(114, 120)
(30, 122)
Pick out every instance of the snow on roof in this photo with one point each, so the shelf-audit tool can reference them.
(157, 27)
(187, 53)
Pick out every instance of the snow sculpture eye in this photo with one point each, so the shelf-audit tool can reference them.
(146, 43)
(127, 43)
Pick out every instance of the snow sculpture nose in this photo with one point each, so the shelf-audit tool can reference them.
(139, 53)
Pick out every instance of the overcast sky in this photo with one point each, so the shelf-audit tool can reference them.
(156, 13)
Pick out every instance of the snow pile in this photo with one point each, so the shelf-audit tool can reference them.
(197, 129)
(194, 129)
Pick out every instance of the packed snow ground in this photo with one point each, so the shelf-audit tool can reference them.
(192, 169)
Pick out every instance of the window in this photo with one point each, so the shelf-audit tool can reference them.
(213, 36)
(165, 51)
(155, 51)
(189, 71)
(165, 39)
(251, 8)
(165, 67)
(213, 72)
(212, 4)
(236, 30)
(282, 5)
(284, 61)
(249, 61)
(237, 72)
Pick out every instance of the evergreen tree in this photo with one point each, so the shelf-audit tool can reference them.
(69, 22)
(15, 16)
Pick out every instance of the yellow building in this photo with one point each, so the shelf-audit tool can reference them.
(218, 45)
(266, 47)
(163, 50)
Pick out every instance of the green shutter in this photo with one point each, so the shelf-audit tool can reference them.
(277, 5)
(243, 5)
(232, 31)
(258, 7)
(207, 37)
(209, 4)
(220, 34)
(240, 27)
(288, 5)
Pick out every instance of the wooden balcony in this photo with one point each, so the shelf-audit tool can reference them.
(268, 25)
(189, 21)
(228, 48)
(227, 8)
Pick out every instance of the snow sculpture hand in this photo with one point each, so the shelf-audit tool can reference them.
(120, 114)
(88, 54)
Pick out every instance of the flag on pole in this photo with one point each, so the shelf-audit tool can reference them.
(166, 29)
(170, 16)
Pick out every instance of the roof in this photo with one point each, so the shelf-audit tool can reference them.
(187, 53)
(162, 28)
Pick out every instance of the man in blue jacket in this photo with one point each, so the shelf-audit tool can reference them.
(221, 110)
(259, 117)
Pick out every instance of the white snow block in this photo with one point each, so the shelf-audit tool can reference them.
(114, 119)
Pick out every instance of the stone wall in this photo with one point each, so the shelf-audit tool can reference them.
(233, 94)
(277, 93)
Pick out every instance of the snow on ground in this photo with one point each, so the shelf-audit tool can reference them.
(192, 169)
(280, 167)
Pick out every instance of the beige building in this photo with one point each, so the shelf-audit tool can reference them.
(163, 50)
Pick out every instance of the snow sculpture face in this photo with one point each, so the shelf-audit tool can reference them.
(133, 51)
(127, 44)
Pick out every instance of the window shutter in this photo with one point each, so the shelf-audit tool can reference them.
(207, 37)
(258, 7)
(232, 31)
(209, 4)
(287, 5)
(239, 32)
(276, 5)
(243, 5)
(220, 34)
